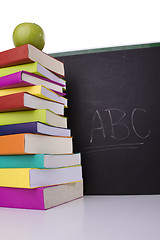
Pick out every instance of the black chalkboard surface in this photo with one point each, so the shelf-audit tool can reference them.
(114, 98)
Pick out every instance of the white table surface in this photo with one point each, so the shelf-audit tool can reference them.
(93, 217)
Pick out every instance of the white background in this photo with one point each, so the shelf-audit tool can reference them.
(74, 25)
(85, 24)
(88, 218)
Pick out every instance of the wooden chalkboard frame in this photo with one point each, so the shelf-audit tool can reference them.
(107, 49)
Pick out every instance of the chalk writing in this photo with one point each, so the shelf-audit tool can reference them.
(101, 128)
(133, 125)
(117, 124)
(113, 125)
(113, 147)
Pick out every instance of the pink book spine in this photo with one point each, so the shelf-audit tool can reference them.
(22, 198)
(14, 80)
(11, 80)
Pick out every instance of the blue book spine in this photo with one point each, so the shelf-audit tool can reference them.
(30, 127)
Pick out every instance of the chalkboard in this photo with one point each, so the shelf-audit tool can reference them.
(114, 99)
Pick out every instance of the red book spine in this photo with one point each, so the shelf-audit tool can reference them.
(12, 102)
(14, 56)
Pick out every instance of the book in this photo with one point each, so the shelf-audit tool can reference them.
(24, 101)
(34, 127)
(28, 53)
(39, 91)
(25, 79)
(28, 143)
(40, 115)
(40, 160)
(33, 178)
(41, 198)
(35, 68)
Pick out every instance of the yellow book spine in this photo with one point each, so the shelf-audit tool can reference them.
(34, 90)
(17, 177)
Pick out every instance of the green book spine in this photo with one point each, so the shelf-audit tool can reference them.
(22, 161)
(29, 67)
(7, 118)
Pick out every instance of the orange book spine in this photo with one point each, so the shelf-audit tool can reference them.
(12, 144)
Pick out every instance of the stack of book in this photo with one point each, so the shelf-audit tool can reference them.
(38, 169)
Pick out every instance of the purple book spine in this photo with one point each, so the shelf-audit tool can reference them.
(28, 127)
(22, 198)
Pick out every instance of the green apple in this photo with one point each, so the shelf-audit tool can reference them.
(29, 33)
